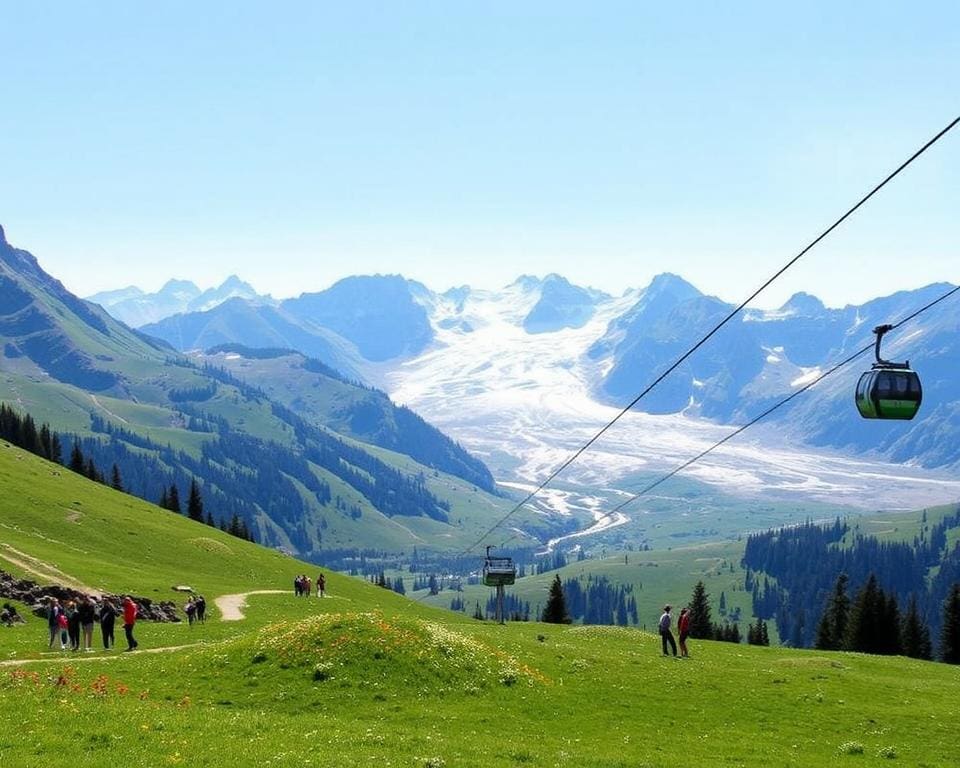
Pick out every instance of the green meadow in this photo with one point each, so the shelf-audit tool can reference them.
(367, 677)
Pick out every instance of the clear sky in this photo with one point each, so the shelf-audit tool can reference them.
(454, 142)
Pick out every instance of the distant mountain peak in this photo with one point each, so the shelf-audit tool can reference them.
(668, 282)
(174, 286)
(803, 303)
(3, 236)
(233, 282)
(526, 282)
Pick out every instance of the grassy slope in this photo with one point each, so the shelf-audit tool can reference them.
(471, 510)
(366, 681)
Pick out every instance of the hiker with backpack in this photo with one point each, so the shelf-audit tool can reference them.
(201, 605)
(666, 636)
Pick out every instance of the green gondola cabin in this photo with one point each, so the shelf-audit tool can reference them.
(888, 390)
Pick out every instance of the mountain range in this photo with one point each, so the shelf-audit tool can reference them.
(428, 349)
(135, 308)
(340, 473)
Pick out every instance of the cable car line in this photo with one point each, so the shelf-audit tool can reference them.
(763, 415)
(576, 455)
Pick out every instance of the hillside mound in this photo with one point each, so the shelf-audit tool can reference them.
(368, 649)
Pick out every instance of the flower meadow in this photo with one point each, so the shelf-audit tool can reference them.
(370, 649)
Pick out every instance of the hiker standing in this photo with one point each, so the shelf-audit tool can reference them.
(683, 628)
(297, 587)
(129, 619)
(53, 614)
(86, 614)
(190, 609)
(108, 617)
(73, 625)
(63, 625)
(307, 586)
(666, 636)
(201, 605)
(321, 585)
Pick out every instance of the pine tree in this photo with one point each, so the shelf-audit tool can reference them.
(195, 502)
(915, 634)
(866, 619)
(799, 630)
(701, 626)
(29, 439)
(115, 482)
(555, 611)
(890, 626)
(209, 519)
(733, 636)
(77, 462)
(950, 633)
(764, 637)
(477, 613)
(832, 629)
(173, 499)
(56, 450)
(46, 445)
(164, 502)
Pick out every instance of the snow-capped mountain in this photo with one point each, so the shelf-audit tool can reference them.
(525, 374)
(525, 401)
(136, 308)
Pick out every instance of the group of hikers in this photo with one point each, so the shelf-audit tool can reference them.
(196, 609)
(73, 622)
(302, 586)
(683, 628)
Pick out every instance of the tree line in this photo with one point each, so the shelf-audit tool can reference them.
(808, 571)
(22, 431)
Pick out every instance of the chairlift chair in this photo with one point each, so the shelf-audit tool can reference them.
(498, 571)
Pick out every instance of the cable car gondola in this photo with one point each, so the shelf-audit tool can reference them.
(888, 390)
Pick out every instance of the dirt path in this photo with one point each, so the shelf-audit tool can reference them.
(231, 606)
(73, 658)
(106, 410)
(45, 571)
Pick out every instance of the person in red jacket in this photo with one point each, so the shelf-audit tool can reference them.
(129, 619)
(683, 627)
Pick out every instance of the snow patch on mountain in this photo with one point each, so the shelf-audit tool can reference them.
(523, 403)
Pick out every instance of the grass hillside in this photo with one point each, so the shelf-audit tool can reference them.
(164, 421)
(366, 677)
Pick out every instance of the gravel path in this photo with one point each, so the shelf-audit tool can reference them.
(231, 606)
(45, 571)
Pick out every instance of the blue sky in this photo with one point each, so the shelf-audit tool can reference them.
(296, 143)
